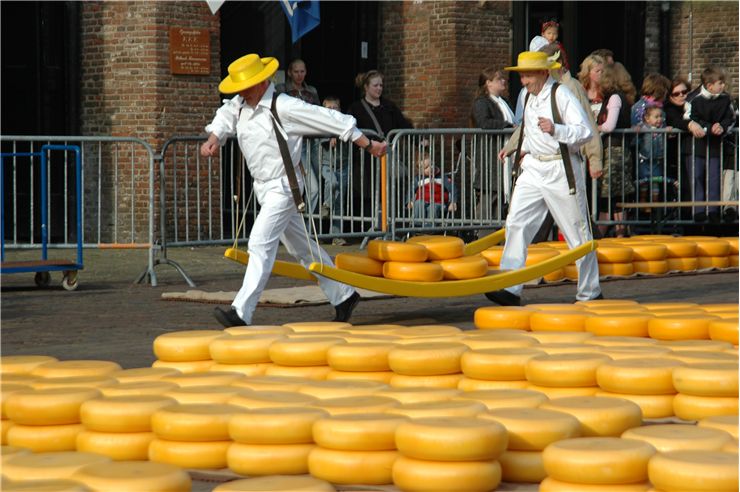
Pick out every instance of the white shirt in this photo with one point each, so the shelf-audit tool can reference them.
(505, 109)
(255, 133)
(574, 132)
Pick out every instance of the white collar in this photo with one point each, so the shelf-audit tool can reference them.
(708, 95)
(266, 100)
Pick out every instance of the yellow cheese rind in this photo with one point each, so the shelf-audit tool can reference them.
(185, 367)
(253, 400)
(136, 388)
(426, 359)
(352, 467)
(679, 437)
(602, 417)
(505, 398)
(356, 404)
(497, 364)
(185, 346)
(360, 356)
(276, 483)
(638, 376)
(358, 432)
(118, 446)
(522, 466)
(48, 465)
(292, 425)
(727, 423)
(623, 325)
(564, 370)
(440, 247)
(49, 406)
(551, 485)
(464, 268)
(134, 475)
(359, 263)
(707, 379)
(242, 349)
(686, 327)
(22, 364)
(382, 250)
(451, 439)
(439, 409)
(652, 406)
(193, 422)
(533, 429)
(45, 438)
(122, 413)
(302, 351)
(269, 459)
(414, 272)
(558, 320)
(725, 330)
(209, 455)
(690, 407)
(714, 471)
(414, 475)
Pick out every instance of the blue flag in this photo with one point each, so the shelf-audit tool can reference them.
(302, 16)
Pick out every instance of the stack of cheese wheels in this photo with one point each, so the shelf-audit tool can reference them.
(5, 391)
(119, 426)
(648, 382)
(447, 252)
(705, 390)
(449, 453)
(586, 463)
(686, 325)
(493, 255)
(732, 255)
(712, 252)
(246, 354)
(404, 261)
(727, 423)
(359, 262)
(192, 435)
(681, 254)
(530, 431)
(502, 317)
(680, 437)
(272, 441)
(355, 448)
(537, 253)
(186, 351)
(360, 360)
(567, 374)
(615, 260)
(15, 371)
(499, 368)
(701, 471)
(134, 475)
(302, 356)
(599, 417)
(431, 364)
(47, 471)
(648, 257)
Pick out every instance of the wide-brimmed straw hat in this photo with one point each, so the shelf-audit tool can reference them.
(247, 72)
(533, 60)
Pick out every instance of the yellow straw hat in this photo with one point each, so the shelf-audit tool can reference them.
(532, 61)
(247, 72)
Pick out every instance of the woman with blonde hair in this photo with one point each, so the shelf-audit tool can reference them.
(590, 77)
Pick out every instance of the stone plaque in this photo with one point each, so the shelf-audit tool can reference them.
(190, 51)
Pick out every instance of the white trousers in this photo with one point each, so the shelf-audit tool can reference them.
(543, 186)
(278, 220)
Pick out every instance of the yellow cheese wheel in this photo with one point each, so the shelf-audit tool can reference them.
(725, 330)
(496, 340)
(599, 416)
(721, 306)
(688, 264)
(505, 398)
(122, 413)
(185, 346)
(564, 370)
(378, 376)
(208, 378)
(471, 384)
(259, 330)
(653, 267)
(56, 485)
(436, 381)
(382, 250)
(707, 379)
(566, 348)
(657, 306)
(635, 352)
(73, 382)
(418, 395)
(553, 392)
(357, 432)
(6, 390)
(359, 263)
(49, 406)
(210, 455)
(493, 255)
(727, 423)
(687, 327)
(620, 341)
(554, 276)
(185, 367)
(414, 475)
(733, 242)
(616, 269)
(679, 248)
(571, 271)
(242, 349)
(71, 368)
(8, 452)
(648, 251)
(496, 317)
(702, 356)
(303, 326)
(203, 394)
(135, 388)
(269, 459)
(560, 336)
(352, 467)
(139, 374)
(25, 379)
(302, 351)
(276, 483)
(652, 406)
(691, 407)
(258, 369)
(522, 466)
(415, 272)
(714, 471)
(551, 485)
(47, 465)
(426, 331)
(5, 426)
(712, 247)
(289, 425)
(193, 422)
(533, 429)
(433, 409)
(624, 324)
(118, 446)
(679, 437)
(613, 253)
(440, 247)
(451, 439)
(317, 373)
(505, 364)
(134, 475)
(734, 260)
(359, 356)
(713, 262)
(270, 383)
(638, 376)
(696, 345)
(558, 320)
(356, 404)
(442, 339)
(253, 400)
(598, 460)
(537, 254)
(337, 389)
(731, 447)
(45, 438)
(463, 268)
(426, 359)
(22, 364)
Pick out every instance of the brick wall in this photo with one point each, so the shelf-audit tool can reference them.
(652, 38)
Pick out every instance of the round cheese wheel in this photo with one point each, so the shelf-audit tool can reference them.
(505, 364)
(134, 475)
(688, 264)
(25, 379)
(426, 359)
(714, 471)
(443, 339)
(437, 381)
(652, 406)
(118, 446)
(359, 356)
(269, 459)
(291, 425)
(638, 376)
(6, 390)
(302, 351)
(712, 247)
(258, 330)
(253, 400)
(713, 262)
(538, 254)
(426, 331)
(357, 432)
(49, 406)
(418, 395)
(598, 460)
(352, 467)
(653, 267)
(657, 306)
(378, 376)
(316, 373)
(73, 382)
(440, 247)
(359, 263)
(185, 367)
(602, 417)
(48, 465)
(337, 389)
(45, 438)
(566, 348)
(571, 271)
(553, 392)
(625, 325)
(209, 455)
(691, 407)
(734, 260)
(725, 330)
(707, 379)
(270, 383)
(679, 437)
(558, 320)
(451, 439)
(620, 341)
(470, 384)
(242, 349)
(382, 250)
(560, 336)
(636, 352)
(551, 485)
(122, 413)
(616, 269)
(613, 253)
(497, 340)
(5, 426)
(533, 429)
(504, 398)
(702, 356)
(463, 268)
(493, 255)
(193, 422)
(139, 374)
(276, 483)
(185, 346)
(434, 409)
(8, 452)
(244, 369)
(686, 327)
(153, 387)
(679, 248)
(727, 423)
(414, 475)
(356, 404)
(721, 306)
(733, 242)
(554, 276)
(564, 370)
(647, 251)
(209, 378)
(415, 272)
(71, 368)
(22, 364)
(522, 466)
(303, 326)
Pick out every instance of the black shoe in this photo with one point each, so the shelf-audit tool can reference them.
(504, 298)
(597, 298)
(344, 310)
(228, 318)
(730, 215)
(700, 217)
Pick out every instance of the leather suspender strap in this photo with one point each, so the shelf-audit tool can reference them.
(287, 161)
(563, 148)
(518, 155)
(372, 117)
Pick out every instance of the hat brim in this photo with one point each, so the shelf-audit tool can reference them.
(553, 66)
(228, 86)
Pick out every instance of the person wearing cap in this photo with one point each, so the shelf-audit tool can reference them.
(248, 115)
(543, 182)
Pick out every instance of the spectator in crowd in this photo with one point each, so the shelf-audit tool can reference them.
(335, 171)
(590, 77)
(616, 182)
(551, 32)
(606, 54)
(651, 154)
(434, 192)
(655, 89)
(712, 110)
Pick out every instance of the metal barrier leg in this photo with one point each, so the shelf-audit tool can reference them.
(151, 274)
